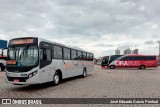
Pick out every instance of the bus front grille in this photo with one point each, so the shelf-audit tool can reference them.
(19, 79)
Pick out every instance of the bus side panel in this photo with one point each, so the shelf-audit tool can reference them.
(90, 67)
(68, 68)
(47, 72)
(148, 63)
(128, 63)
(58, 65)
(76, 67)
(133, 63)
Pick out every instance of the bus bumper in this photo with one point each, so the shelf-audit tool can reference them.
(22, 80)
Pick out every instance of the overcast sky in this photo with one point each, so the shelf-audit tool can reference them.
(99, 26)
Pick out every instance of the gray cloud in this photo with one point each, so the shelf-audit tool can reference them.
(103, 45)
(83, 22)
(72, 17)
(128, 45)
(149, 42)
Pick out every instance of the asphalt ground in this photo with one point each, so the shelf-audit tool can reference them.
(102, 83)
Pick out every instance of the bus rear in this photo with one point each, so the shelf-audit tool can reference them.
(22, 61)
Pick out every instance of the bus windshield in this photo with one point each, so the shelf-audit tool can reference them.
(24, 56)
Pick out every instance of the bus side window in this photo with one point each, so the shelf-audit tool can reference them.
(87, 56)
(57, 52)
(84, 55)
(45, 55)
(151, 58)
(73, 54)
(79, 55)
(91, 57)
(66, 53)
(126, 58)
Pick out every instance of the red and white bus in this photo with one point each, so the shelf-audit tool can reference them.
(134, 61)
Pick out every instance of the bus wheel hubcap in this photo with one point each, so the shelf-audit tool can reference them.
(56, 79)
(84, 73)
(142, 67)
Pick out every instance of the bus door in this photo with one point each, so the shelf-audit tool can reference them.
(45, 62)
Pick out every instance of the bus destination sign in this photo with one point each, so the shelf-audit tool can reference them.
(11, 62)
(21, 41)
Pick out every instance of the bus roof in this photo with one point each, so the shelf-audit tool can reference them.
(41, 39)
(72, 47)
(139, 55)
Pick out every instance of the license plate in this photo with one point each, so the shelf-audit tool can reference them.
(16, 80)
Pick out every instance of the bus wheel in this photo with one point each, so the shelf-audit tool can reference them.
(84, 73)
(2, 68)
(142, 67)
(112, 67)
(56, 78)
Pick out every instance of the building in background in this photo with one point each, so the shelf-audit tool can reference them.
(127, 51)
(117, 52)
(135, 51)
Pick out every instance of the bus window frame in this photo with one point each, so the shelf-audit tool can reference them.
(80, 58)
(64, 53)
(76, 54)
(54, 51)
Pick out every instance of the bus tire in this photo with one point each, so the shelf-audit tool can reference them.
(142, 67)
(2, 68)
(112, 67)
(84, 73)
(56, 78)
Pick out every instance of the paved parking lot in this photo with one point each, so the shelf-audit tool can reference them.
(102, 83)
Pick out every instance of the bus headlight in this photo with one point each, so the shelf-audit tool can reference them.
(32, 74)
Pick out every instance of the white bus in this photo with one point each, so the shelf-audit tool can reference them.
(32, 60)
